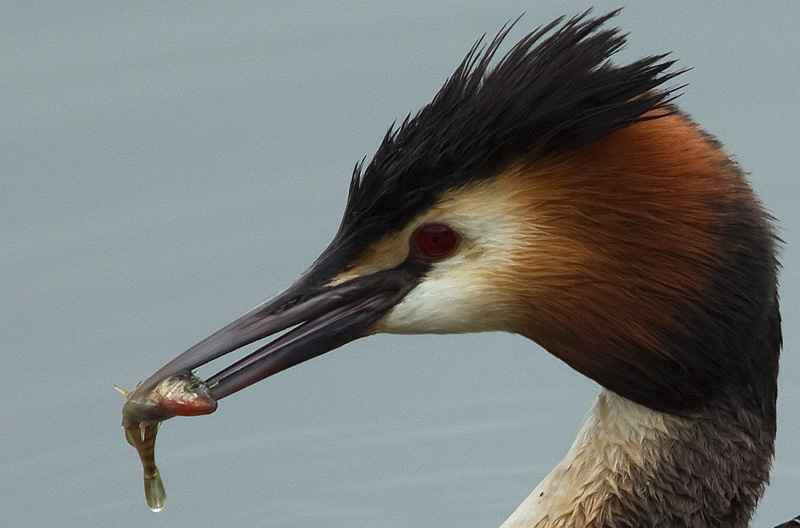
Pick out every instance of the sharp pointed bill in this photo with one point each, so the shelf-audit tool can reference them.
(319, 318)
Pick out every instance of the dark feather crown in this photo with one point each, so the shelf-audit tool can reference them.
(553, 91)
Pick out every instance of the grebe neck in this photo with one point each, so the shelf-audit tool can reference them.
(634, 466)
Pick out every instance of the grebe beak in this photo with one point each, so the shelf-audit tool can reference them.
(318, 319)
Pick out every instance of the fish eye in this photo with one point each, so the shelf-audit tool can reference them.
(434, 241)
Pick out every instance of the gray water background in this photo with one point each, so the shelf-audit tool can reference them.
(167, 166)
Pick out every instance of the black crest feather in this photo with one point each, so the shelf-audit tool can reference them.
(553, 91)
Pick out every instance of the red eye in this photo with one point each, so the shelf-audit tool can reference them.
(434, 241)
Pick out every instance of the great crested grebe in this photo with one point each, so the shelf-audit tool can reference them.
(561, 197)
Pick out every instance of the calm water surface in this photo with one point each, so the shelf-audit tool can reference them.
(166, 168)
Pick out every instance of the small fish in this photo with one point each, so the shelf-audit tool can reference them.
(142, 414)
(143, 438)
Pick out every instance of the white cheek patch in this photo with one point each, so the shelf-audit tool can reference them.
(438, 305)
(463, 293)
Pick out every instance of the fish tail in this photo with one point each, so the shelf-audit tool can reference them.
(154, 490)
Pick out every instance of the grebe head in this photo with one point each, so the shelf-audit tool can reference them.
(558, 196)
